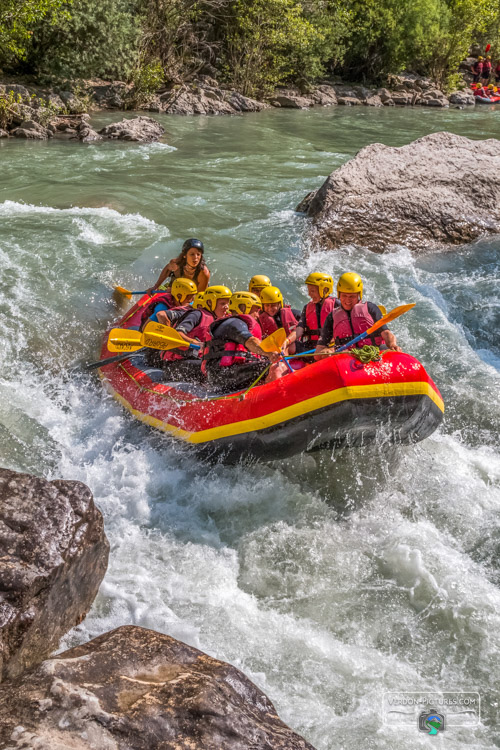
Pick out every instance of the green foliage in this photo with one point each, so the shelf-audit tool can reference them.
(99, 38)
(17, 20)
(9, 106)
(264, 42)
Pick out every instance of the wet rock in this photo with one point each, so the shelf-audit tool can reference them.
(32, 130)
(402, 98)
(3, 133)
(53, 557)
(463, 98)
(290, 100)
(324, 95)
(70, 101)
(386, 97)
(434, 98)
(109, 94)
(440, 190)
(374, 101)
(348, 101)
(134, 688)
(241, 103)
(141, 129)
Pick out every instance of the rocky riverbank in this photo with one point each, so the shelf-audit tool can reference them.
(441, 190)
(132, 687)
(33, 112)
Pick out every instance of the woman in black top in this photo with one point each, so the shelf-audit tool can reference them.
(190, 264)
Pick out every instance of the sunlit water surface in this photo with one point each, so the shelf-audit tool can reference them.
(328, 579)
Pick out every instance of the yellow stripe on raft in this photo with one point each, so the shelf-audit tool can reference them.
(288, 412)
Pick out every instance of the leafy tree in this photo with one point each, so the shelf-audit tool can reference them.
(17, 20)
(96, 38)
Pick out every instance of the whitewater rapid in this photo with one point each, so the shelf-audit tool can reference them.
(327, 579)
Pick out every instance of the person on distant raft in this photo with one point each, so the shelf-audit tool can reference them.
(193, 326)
(497, 72)
(477, 70)
(351, 318)
(233, 358)
(319, 288)
(275, 314)
(258, 283)
(485, 76)
(190, 264)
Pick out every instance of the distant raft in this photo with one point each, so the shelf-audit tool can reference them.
(335, 402)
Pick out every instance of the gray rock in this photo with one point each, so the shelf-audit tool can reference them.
(3, 133)
(463, 98)
(440, 190)
(241, 103)
(402, 98)
(348, 101)
(324, 95)
(291, 100)
(134, 688)
(374, 101)
(54, 556)
(70, 101)
(141, 129)
(32, 130)
(110, 94)
(88, 135)
(385, 96)
(434, 98)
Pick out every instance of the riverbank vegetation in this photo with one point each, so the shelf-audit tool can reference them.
(252, 45)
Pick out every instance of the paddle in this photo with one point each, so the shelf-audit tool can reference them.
(111, 360)
(128, 293)
(392, 315)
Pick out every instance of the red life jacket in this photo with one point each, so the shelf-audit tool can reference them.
(227, 353)
(361, 320)
(313, 327)
(486, 69)
(269, 325)
(165, 298)
(200, 332)
(478, 67)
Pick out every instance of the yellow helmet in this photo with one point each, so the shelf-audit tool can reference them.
(270, 295)
(479, 58)
(213, 294)
(248, 299)
(258, 282)
(350, 283)
(198, 301)
(490, 86)
(323, 281)
(182, 288)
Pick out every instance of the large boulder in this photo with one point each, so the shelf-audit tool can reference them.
(440, 190)
(141, 129)
(32, 130)
(462, 98)
(54, 554)
(134, 688)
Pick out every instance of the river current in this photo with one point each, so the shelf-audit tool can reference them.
(328, 579)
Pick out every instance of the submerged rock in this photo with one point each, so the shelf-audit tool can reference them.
(141, 129)
(54, 554)
(442, 189)
(134, 688)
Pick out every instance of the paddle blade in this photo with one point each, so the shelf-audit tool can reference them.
(392, 315)
(158, 336)
(125, 292)
(488, 47)
(382, 309)
(122, 340)
(274, 342)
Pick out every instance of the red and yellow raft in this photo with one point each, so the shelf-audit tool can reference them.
(335, 402)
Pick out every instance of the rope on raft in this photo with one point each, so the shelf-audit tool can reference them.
(366, 354)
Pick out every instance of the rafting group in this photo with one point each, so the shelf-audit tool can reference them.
(224, 330)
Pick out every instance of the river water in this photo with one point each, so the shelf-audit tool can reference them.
(328, 580)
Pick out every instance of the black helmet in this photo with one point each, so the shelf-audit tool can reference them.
(198, 244)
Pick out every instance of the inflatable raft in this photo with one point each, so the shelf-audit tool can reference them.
(332, 403)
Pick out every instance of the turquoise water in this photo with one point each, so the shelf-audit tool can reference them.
(328, 579)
